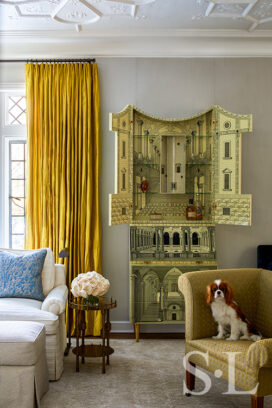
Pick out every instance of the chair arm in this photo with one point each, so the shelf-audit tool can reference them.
(55, 301)
(60, 275)
(259, 354)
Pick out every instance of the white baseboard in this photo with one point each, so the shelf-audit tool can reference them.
(119, 326)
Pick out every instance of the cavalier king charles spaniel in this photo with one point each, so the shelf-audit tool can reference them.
(232, 323)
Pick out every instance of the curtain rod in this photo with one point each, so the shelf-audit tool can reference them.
(90, 60)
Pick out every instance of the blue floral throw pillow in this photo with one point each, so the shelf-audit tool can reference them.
(20, 276)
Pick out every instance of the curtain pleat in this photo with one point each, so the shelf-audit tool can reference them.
(63, 161)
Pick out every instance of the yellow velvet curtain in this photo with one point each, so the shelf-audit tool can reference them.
(63, 159)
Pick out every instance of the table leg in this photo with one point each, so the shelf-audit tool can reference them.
(83, 328)
(108, 334)
(77, 341)
(103, 341)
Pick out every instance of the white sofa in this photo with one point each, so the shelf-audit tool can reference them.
(50, 312)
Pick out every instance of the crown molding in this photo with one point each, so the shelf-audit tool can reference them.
(164, 43)
(12, 87)
(20, 35)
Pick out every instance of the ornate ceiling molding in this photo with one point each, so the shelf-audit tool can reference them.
(256, 12)
(76, 12)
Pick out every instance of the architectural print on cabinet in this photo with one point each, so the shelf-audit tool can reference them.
(175, 179)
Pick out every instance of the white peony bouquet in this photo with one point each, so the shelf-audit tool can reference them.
(90, 285)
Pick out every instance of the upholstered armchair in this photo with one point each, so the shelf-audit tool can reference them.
(253, 365)
(50, 311)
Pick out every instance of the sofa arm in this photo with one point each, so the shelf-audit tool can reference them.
(55, 301)
(259, 354)
(60, 275)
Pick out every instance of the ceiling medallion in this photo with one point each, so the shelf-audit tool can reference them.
(76, 12)
(256, 12)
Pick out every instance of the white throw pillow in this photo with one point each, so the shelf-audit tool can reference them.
(48, 271)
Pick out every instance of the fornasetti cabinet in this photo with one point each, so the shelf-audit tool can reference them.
(160, 165)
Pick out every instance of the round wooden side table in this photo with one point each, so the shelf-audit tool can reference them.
(92, 350)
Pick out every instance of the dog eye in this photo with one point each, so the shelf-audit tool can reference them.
(223, 289)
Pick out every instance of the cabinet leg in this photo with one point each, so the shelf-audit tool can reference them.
(137, 332)
(257, 402)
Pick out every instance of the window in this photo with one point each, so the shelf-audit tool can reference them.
(123, 149)
(174, 288)
(226, 181)
(226, 211)
(16, 110)
(227, 150)
(123, 181)
(176, 238)
(227, 124)
(195, 239)
(166, 238)
(13, 168)
(17, 193)
(178, 168)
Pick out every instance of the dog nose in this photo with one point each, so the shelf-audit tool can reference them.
(218, 292)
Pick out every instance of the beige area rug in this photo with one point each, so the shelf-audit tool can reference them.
(148, 374)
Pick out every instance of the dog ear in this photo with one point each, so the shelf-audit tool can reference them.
(209, 296)
(228, 293)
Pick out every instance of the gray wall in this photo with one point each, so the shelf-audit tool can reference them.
(179, 88)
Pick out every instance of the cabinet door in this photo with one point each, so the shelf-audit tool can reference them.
(232, 209)
(120, 209)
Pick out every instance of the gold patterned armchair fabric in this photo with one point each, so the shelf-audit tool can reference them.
(253, 365)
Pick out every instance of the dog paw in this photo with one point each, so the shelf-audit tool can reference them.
(217, 337)
(232, 338)
(245, 337)
(255, 337)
